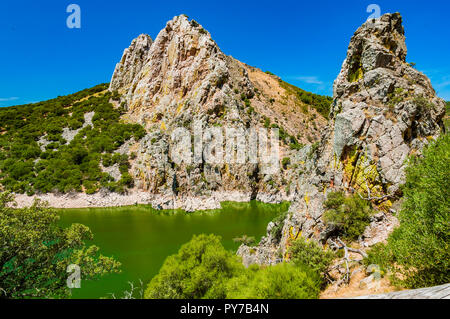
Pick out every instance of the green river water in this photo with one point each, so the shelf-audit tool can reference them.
(141, 237)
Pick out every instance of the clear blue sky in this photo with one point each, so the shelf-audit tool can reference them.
(304, 42)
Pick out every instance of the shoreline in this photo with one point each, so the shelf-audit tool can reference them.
(157, 201)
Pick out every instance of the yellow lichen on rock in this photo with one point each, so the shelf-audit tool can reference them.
(227, 169)
(293, 236)
(179, 108)
(362, 174)
(306, 199)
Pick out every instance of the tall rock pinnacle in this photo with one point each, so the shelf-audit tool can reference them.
(184, 78)
(183, 66)
(133, 59)
(383, 111)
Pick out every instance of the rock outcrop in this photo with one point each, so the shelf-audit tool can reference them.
(182, 78)
(383, 107)
(383, 111)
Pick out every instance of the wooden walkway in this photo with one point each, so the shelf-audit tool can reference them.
(437, 292)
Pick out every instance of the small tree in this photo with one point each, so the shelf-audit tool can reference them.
(348, 214)
(311, 254)
(200, 269)
(35, 252)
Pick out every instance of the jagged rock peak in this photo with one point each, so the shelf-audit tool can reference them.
(183, 66)
(189, 38)
(184, 77)
(378, 43)
(382, 105)
(386, 31)
(181, 24)
(132, 61)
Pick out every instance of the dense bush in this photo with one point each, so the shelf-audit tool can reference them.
(311, 254)
(420, 246)
(202, 268)
(282, 281)
(35, 252)
(278, 222)
(379, 255)
(285, 162)
(62, 166)
(349, 215)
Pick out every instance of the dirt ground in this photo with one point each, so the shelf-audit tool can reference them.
(353, 289)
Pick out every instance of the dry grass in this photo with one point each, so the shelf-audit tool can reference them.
(353, 289)
(283, 107)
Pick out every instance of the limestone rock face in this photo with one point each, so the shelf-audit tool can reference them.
(180, 78)
(383, 108)
(183, 68)
(383, 111)
(183, 78)
(133, 59)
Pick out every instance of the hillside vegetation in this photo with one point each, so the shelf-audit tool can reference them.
(320, 103)
(447, 116)
(35, 155)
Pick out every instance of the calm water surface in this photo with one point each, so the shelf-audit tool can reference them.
(141, 237)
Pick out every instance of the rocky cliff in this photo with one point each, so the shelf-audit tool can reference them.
(383, 111)
(183, 78)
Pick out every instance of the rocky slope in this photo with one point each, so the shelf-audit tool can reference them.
(180, 79)
(383, 111)
(183, 78)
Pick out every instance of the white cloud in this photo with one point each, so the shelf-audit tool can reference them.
(6, 99)
(308, 79)
(443, 84)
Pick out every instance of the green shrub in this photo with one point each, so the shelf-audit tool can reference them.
(200, 269)
(278, 221)
(423, 103)
(396, 97)
(296, 146)
(35, 252)
(285, 162)
(379, 255)
(349, 215)
(282, 281)
(311, 254)
(420, 245)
